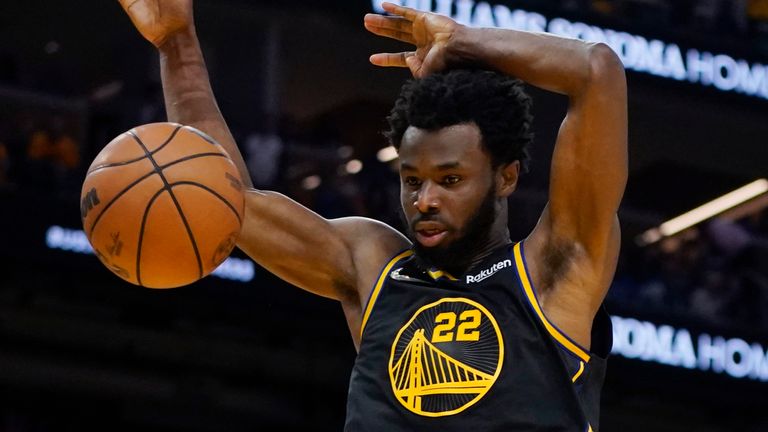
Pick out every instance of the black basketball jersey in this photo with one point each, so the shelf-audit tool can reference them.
(475, 353)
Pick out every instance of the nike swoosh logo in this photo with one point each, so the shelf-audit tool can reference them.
(395, 274)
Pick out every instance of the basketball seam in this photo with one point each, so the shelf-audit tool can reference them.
(201, 135)
(116, 197)
(141, 233)
(144, 177)
(194, 156)
(214, 193)
(128, 162)
(167, 187)
(116, 164)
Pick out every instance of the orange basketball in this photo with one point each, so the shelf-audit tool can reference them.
(162, 205)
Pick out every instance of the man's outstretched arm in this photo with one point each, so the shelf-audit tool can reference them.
(319, 255)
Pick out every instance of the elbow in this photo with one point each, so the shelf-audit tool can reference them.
(604, 65)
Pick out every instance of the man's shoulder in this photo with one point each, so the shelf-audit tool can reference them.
(373, 243)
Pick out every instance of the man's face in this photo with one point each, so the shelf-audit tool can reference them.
(447, 193)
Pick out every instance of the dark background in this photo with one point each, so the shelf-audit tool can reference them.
(81, 349)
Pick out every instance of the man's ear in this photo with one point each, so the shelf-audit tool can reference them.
(506, 179)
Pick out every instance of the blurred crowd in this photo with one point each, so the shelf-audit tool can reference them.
(715, 274)
(315, 166)
(40, 153)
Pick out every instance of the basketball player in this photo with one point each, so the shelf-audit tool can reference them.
(456, 327)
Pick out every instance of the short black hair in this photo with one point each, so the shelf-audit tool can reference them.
(496, 103)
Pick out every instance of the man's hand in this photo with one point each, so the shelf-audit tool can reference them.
(430, 33)
(157, 20)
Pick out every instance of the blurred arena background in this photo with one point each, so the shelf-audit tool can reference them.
(241, 350)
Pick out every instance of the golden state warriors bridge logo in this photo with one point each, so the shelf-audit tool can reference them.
(446, 358)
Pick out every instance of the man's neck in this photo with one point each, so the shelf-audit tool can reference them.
(494, 243)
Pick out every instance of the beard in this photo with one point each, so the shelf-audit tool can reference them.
(457, 255)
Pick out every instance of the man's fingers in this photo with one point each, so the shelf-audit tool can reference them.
(408, 13)
(391, 59)
(391, 27)
(127, 4)
(392, 23)
(403, 36)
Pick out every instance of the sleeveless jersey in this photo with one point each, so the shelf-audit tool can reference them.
(475, 353)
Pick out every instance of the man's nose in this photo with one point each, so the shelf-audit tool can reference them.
(427, 200)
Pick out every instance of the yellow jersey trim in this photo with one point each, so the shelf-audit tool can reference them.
(439, 273)
(377, 287)
(579, 372)
(531, 296)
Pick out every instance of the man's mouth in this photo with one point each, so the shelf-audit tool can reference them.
(430, 237)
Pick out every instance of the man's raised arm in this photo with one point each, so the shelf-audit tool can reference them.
(319, 255)
(589, 164)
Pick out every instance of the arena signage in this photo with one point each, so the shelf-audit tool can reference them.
(663, 344)
(638, 53)
(73, 240)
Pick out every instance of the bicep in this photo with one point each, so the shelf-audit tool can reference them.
(589, 165)
(296, 244)
(319, 255)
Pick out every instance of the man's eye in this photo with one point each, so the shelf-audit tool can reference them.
(412, 181)
(451, 180)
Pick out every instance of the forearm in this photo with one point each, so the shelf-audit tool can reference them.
(557, 64)
(189, 99)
